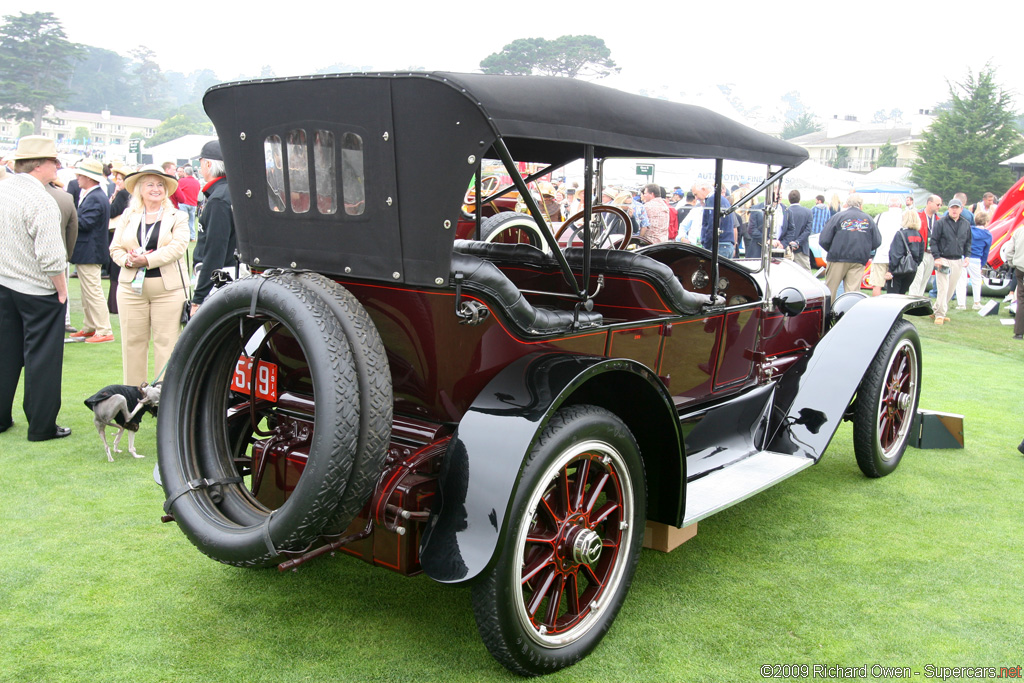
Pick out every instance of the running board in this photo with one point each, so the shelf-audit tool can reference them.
(730, 485)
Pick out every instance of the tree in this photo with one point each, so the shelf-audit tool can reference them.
(571, 56)
(25, 128)
(802, 125)
(887, 154)
(81, 134)
(99, 81)
(147, 82)
(35, 57)
(842, 159)
(962, 149)
(188, 120)
(894, 115)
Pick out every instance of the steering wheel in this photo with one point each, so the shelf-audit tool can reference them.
(488, 185)
(604, 234)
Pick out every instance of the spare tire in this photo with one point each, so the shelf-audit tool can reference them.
(205, 489)
(375, 395)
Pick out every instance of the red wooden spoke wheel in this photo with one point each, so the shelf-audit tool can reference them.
(886, 402)
(571, 547)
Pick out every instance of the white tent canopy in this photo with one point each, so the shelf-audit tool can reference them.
(179, 149)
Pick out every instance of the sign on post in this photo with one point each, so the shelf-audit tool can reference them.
(645, 169)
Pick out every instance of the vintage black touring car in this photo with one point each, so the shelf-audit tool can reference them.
(510, 412)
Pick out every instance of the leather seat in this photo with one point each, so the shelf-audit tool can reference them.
(496, 252)
(633, 264)
(485, 278)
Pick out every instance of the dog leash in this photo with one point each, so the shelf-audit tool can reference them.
(161, 373)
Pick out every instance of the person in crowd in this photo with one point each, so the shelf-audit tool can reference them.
(908, 238)
(703, 190)
(981, 242)
(819, 214)
(741, 218)
(69, 231)
(149, 245)
(909, 201)
(966, 213)
(835, 205)
(33, 290)
(889, 223)
(849, 238)
(119, 201)
(987, 204)
(549, 204)
(215, 248)
(169, 168)
(92, 252)
(657, 213)
(928, 217)
(755, 231)
(187, 196)
(950, 244)
(1014, 256)
(624, 200)
(683, 208)
(794, 239)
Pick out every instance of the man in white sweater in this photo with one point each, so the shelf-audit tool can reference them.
(33, 290)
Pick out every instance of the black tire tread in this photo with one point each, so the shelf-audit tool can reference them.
(868, 396)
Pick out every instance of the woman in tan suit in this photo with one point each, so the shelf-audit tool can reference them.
(149, 244)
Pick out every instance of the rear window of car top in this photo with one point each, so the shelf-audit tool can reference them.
(293, 186)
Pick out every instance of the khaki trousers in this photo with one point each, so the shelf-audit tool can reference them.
(924, 271)
(94, 302)
(153, 315)
(850, 274)
(945, 283)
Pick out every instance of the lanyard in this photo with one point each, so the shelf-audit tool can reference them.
(149, 233)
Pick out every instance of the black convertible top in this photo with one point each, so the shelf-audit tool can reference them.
(418, 139)
(547, 118)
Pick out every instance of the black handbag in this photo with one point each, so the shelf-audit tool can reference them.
(186, 308)
(906, 264)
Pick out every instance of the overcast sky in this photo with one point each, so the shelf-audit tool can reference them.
(843, 57)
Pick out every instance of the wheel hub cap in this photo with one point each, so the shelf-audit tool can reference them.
(586, 547)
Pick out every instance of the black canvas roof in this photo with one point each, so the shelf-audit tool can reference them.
(565, 112)
(421, 137)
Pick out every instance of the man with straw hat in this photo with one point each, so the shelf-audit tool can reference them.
(33, 290)
(92, 251)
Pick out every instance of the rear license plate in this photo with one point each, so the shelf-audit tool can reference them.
(266, 379)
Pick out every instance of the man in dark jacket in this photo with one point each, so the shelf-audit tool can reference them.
(950, 244)
(797, 231)
(215, 247)
(91, 252)
(849, 237)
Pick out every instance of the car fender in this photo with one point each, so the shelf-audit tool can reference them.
(814, 394)
(485, 457)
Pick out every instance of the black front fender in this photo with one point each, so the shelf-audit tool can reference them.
(482, 467)
(814, 394)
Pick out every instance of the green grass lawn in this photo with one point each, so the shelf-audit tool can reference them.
(919, 568)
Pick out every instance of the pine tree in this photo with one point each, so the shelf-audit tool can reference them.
(887, 154)
(962, 150)
(35, 58)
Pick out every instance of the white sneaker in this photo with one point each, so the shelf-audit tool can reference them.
(961, 308)
(977, 305)
(1009, 297)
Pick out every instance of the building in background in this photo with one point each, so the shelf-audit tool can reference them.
(865, 141)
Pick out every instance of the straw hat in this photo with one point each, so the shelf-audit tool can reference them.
(91, 168)
(170, 182)
(35, 147)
